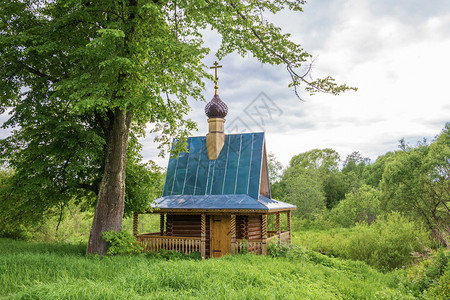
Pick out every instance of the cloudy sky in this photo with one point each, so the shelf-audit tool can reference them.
(396, 52)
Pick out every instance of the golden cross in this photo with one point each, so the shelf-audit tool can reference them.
(216, 78)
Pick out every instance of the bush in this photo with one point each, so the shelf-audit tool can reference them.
(388, 243)
(431, 276)
(121, 243)
(385, 244)
(277, 249)
(19, 232)
(362, 205)
(442, 289)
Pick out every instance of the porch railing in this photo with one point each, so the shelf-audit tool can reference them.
(253, 246)
(154, 243)
(284, 237)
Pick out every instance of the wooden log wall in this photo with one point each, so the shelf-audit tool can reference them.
(241, 227)
(188, 226)
(254, 228)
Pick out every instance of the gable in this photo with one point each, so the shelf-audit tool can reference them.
(237, 170)
(264, 188)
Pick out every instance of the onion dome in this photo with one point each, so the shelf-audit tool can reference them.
(216, 108)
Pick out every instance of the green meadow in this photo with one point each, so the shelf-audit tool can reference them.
(63, 271)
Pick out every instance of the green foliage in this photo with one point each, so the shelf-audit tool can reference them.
(335, 186)
(416, 181)
(312, 182)
(386, 244)
(144, 183)
(51, 271)
(277, 249)
(361, 205)
(275, 168)
(305, 191)
(353, 169)
(121, 243)
(244, 249)
(317, 159)
(373, 173)
(442, 289)
(430, 276)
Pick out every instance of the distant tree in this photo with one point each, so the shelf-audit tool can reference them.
(323, 160)
(353, 169)
(320, 166)
(373, 173)
(275, 168)
(306, 192)
(417, 181)
(335, 186)
(361, 205)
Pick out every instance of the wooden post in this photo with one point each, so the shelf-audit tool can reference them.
(135, 223)
(233, 234)
(161, 224)
(264, 235)
(278, 227)
(203, 237)
(289, 225)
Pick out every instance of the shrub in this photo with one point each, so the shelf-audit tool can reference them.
(431, 274)
(121, 243)
(277, 249)
(388, 243)
(442, 289)
(19, 232)
(362, 205)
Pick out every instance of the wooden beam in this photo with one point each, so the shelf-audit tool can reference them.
(264, 235)
(135, 223)
(289, 225)
(161, 224)
(278, 227)
(233, 234)
(203, 236)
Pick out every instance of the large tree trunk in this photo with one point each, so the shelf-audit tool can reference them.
(110, 203)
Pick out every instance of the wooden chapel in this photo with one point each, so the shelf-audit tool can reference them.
(216, 198)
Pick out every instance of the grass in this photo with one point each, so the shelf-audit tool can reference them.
(55, 271)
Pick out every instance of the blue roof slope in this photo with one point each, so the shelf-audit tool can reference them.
(214, 202)
(237, 170)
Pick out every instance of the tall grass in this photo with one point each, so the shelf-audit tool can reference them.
(52, 271)
(386, 244)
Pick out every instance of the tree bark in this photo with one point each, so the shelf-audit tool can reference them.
(111, 196)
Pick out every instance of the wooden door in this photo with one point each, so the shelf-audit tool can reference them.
(220, 235)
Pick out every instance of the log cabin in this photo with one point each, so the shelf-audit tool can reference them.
(216, 198)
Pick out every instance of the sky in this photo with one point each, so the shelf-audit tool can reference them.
(396, 52)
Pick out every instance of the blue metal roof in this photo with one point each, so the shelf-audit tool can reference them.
(237, 170)
(214, 202)
(232, 182)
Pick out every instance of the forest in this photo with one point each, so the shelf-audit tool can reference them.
(362, 229)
